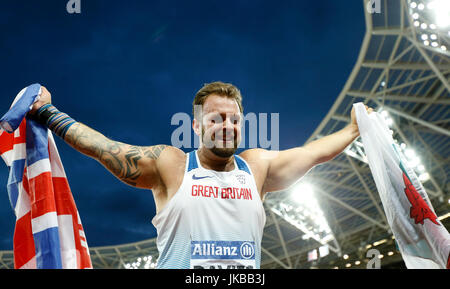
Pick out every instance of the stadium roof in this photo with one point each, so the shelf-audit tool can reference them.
(409, 79)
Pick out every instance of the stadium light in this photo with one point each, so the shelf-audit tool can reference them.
(303, 194)
(415, 162)
(431, 19)
(302, 210)
(356, 149)
(424, 177)
(440, 9)
(411, 156)
(379, 242)
(141, 263)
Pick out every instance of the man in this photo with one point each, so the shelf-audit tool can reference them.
(209, 201)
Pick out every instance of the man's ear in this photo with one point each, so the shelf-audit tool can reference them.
(196, 127)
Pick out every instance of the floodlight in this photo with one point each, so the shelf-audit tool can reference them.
(302, 210)
(441, 11)
(431, 16)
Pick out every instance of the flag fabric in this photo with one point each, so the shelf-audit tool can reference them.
(312, 255)
(324, 251)
(48, 231)
(421, 238)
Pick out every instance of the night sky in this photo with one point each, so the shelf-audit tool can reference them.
(125, 68)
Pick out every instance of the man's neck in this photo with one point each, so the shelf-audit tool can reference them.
(211, 161)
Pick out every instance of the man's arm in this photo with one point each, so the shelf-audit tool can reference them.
(134, 165)
(286, 167)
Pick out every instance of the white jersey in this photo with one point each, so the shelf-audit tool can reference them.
(214, 220)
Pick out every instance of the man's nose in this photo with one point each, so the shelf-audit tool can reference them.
(228, 124)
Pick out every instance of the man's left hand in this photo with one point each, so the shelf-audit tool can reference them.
(353, 114)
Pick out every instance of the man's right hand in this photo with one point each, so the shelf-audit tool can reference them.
(45, 98)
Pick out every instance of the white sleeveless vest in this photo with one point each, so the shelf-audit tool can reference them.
(214, 220)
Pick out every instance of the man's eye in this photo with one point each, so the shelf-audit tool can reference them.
(215, 120)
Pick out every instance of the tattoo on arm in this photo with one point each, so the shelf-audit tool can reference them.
(119, 158)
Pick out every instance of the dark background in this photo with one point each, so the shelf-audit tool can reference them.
(125, 68)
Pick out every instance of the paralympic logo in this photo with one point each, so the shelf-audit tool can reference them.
(247, 250)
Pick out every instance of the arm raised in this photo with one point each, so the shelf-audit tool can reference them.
(286, 167)
(134, 165)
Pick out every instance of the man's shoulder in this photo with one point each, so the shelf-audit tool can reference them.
(171, 166)
(258, 155)
(259, 162)
(251, 153)
(171, 154)
(258, 159)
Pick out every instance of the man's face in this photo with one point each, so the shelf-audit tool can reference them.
(221, 125)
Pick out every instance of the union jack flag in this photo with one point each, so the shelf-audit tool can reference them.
(48, 232)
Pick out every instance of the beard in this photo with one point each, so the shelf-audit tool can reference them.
(218, 149)
(223, 152)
